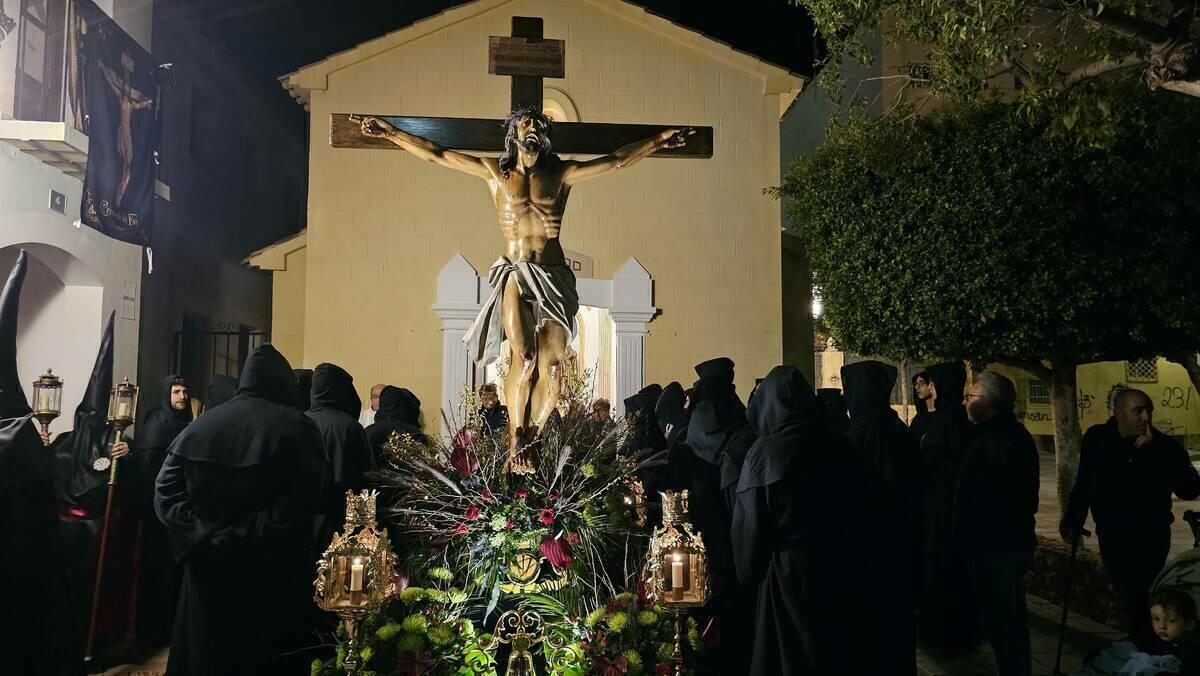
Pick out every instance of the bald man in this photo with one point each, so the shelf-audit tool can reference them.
(1127, 473)
(368, 415)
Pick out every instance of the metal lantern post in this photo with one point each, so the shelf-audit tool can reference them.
(122, 407)
(355, 575)
(678, 567)
(47, 400)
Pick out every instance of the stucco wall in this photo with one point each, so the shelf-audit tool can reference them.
(382, 223)
(287, 309)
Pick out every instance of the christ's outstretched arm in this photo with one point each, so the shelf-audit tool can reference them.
(424, 148)
(625, 156)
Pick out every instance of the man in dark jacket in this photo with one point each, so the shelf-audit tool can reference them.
(237, 494)
(399, 412)
(1127, 472)
(888, 464)
(348, 456)
(493, 415)
(994, 510)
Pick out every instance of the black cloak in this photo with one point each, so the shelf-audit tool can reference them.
(335, 407)
(794, 529)
(887, 460)
(399, 412)
(159, 577)
(947, 618)
(834, 403)
(220, 390)
(29, 551)
(303, 389)
(237, 494)
(719, 432)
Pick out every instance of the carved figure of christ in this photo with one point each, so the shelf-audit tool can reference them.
(529, 185)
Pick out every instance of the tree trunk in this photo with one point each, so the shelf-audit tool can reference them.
(1190, 363)
(1064, 399)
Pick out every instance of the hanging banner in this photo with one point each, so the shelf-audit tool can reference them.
(121, 94)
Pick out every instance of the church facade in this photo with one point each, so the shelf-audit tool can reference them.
(684, 254)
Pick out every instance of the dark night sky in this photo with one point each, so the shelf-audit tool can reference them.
(274, 37)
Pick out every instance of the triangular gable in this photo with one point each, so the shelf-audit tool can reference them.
(274, 256)
(315, 76)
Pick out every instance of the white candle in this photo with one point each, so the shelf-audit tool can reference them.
(677, 577)
(356, 577)
(123, 409)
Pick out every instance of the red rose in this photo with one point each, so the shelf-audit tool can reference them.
(464, 461)
(546, 516)
(472, 512)
(556, 552)
(461, 529)
(486, 495)
(509, 524)
(573, 537)
(522, 493)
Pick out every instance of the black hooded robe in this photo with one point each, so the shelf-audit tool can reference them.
(220, 390)
(335, 405)
(237, 494)
(29, 549)
(399, 412)
(794, 528)
(947, 618)
(159, 577)
(835, 408)
(888, 462)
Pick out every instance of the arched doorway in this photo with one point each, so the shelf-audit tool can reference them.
(59, 323)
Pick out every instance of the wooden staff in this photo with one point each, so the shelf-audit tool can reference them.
(108, 505)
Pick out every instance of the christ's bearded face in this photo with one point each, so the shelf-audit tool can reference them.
(531, 135)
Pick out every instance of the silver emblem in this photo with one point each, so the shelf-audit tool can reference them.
(102, 463)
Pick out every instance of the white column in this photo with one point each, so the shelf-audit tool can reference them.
(632, 308)
(457, 305)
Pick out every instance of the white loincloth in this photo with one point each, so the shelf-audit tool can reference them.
(550, 289)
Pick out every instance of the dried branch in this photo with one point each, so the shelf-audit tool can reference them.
(1100, 68)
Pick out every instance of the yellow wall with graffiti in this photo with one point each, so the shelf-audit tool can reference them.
(1176, 403)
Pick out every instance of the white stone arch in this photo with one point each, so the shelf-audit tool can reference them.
(628, 297)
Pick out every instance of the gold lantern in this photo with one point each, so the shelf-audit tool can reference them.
(355, 576)
(47, 399)
(122, 406)
(678, 567)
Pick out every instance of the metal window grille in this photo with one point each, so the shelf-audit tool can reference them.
(1142, 371)
(1037, 393)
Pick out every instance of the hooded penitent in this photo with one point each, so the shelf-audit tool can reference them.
(220, 390)
(159, 578)
(793, 531)
(303, 389)
(887, 459)
(335, 407)
(719, 432)
(835, 408)
(237, 494)
(399, 412)
(29, 551)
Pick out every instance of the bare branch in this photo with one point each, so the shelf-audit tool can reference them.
(1100, 68)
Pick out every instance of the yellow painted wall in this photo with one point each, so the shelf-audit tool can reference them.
(381, 224)
(1177, 406)
(287, 308)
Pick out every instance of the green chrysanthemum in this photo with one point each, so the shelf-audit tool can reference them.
(466, 627)
(410, 643)
(366, 654)
(315, 668)
(415, 624)
(647, 619)
(694, 640)
(633, 658)
(439, 573)
(665, 652)
(616, 623)
(387, 632)
(437, 596)
(499, 522)
(588, 470)
(440, 635)
(594, 617)
(628, 597)
(456, 595)
(340, 662)
(497, 540)
(412, 595)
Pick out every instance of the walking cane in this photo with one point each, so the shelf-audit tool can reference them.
(108, 504)
(1062, 625)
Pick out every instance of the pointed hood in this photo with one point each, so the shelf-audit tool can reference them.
(333, 388)
(784, 397)
(99, 389)
(868, 387)
(669, 410)
(268, 375)
(75, 451)
(12, 398)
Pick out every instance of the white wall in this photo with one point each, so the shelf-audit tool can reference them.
(79, 275)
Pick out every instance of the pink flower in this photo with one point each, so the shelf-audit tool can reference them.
(509, 524)
(546, 516)
(464, 438)
(556, 552)
(472, 512)
(486, 495)
(573, 537)
(554, 496)
(464, 461)
(461, 529)
(522, 493)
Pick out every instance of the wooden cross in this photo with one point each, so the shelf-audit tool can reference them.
(482, 135)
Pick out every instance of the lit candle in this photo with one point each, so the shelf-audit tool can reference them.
(356, 577)
(677, 578)
(123, 409)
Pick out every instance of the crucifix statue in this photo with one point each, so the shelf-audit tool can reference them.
(533, 301)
